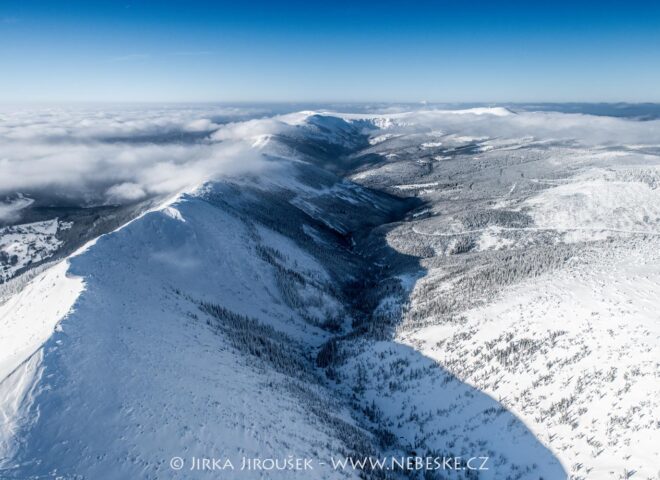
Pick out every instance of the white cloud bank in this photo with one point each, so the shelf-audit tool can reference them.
(118, 156)
(502, 123)
(11, 207)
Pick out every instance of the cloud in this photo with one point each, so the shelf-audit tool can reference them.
(126, 191)
(120, 155)
(251, 129)
(482, 122)
(10, 209)
(126, 154)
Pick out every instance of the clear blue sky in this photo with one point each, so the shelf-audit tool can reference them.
(330, 50)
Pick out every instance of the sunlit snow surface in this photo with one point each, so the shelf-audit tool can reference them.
(512, 312)
(552, 305)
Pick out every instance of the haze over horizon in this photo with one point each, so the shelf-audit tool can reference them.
(390, 51)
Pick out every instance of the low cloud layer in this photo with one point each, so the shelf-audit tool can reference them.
(119, 156)
(503, 123)
(10, 208)
(110, 155)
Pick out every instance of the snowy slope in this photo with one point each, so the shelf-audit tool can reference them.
(574, 355)
(471, 283)
(22, 245)
(137, 360)
(28, 318)
(537, 285)
(187, 312)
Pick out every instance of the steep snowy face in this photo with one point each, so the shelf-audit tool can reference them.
(184, 316)
(425, 284)
(195, 331)
(77, 174)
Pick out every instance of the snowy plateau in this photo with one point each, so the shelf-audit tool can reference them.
(481, 283)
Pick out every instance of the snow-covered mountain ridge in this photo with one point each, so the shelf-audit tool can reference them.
(358, 297)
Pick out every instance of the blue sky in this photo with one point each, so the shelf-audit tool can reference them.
(442, 51)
